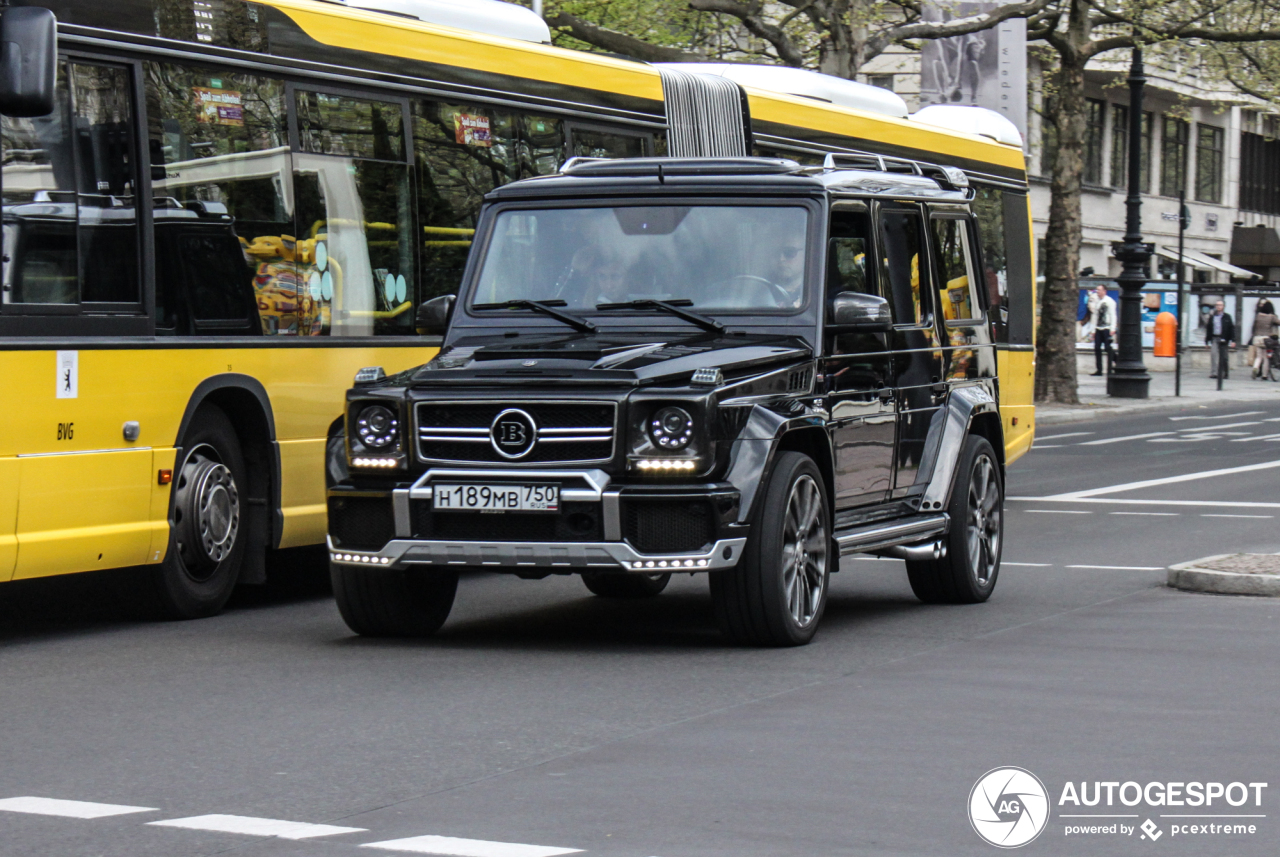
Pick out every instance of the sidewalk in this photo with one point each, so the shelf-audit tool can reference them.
(1198, 391)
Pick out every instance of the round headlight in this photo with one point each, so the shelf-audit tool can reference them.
(671, 428)
(376, 427)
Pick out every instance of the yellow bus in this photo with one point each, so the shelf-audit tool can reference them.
(232, 207)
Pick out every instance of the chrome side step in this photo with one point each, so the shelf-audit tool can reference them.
(874, 537)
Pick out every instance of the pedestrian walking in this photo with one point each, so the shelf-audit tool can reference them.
(1104, 321)
(1265, 324)
(1219, 334)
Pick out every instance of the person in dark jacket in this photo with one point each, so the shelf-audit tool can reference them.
(1219, 334)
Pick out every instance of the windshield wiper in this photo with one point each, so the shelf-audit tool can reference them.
(671, 307)
(546, 308)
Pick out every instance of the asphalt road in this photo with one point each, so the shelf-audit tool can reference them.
(542, 716)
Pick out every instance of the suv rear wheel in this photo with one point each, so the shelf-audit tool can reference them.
(967, 573)
(776, 595)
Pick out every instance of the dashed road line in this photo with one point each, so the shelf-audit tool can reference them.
(250, 826)
(68, 808)
(1121, 567)
(1149, 514)
(1208, 504)
(455, 847)
(1054, 511)
(1107, 440)
(1067, 434)
(1029, 564)
(1168, 480)
(1224, 416)
(1209, 515)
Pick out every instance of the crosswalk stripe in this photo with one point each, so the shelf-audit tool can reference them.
(68, 808)
(256, 826)
(454, 847)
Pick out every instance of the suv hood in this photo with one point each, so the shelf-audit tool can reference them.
(604, 358)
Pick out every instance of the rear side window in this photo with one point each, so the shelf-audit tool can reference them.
(988, 206)
(905, 266)
(957, 294)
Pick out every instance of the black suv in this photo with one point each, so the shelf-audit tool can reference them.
(743, 367)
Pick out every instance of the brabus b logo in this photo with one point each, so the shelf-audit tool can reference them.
(513, 433)
(1008, 807)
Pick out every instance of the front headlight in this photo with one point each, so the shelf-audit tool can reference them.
(671, 428)
(377, 427)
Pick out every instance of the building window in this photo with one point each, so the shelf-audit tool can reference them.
(1173, 157)
(1144, 177)
(1259, 174)
(1119, 145)
(884, 81)
(1209, 163)
(1094, 111)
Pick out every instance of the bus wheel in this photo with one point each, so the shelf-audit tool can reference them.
(377, 602)
(625, 585)
(207, 540)
(776, 595)
(967, 573)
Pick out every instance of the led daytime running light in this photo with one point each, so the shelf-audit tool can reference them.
(362, 461)
(668, 465)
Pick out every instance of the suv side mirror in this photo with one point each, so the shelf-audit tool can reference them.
(855, 311)
(433, 316)
(28, 61)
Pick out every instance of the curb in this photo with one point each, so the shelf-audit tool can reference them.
(1190, 577)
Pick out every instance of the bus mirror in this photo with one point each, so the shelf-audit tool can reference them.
(858, 312)
(28, 57)
(433, 316)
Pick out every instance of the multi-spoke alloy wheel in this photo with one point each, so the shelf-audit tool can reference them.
(776, 595)
(804, 551)
(967, 572)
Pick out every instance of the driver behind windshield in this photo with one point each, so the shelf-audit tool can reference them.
(788, 273)
(598, 275)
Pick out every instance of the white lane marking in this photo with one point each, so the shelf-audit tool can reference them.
(1126, 437)
(1210, 429)
(1224, 416)
(1210, 504)
(1149, 514)
(468, 847)
(1236, 516)
(1038, 445)
(1168, 480)
(1028, 564)
(1068, 434)
(68, 808)
(256, 826)
(1197, 437)
(1055, 512)
(1121, 567)
(1255, 437)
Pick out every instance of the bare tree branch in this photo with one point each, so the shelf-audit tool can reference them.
(750, 14)
(619, 43)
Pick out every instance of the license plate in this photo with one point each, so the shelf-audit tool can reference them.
(496, 498)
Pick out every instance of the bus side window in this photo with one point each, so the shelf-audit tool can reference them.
(221, 171)
(597, 143)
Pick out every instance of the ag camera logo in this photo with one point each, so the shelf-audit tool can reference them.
(1008, 807)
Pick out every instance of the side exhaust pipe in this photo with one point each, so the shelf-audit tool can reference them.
(934, 550)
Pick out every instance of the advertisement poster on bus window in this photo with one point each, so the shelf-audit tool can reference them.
(218, 106)
(472, 130)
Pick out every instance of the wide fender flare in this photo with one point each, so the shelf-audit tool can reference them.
(948, 430)
(755, 451)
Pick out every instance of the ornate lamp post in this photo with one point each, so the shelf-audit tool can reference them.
(1129, 378)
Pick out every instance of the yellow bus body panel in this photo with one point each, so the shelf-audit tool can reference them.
(76, 496)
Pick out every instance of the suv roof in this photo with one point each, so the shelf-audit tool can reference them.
(853, 174)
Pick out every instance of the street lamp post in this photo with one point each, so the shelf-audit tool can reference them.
(1129, 378)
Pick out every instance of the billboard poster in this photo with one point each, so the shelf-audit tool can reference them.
(983, 69)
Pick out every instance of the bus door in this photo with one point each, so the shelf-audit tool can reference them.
(71, 244)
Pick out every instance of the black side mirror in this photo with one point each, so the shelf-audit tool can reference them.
(855, 311)
(433, 316)
(28, 61)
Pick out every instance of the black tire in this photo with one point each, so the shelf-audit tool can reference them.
(769, 599)
(625, 585)
(967, 573)
(377, 602)
(210, 528)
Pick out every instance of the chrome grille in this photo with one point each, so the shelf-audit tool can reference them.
(567, 431)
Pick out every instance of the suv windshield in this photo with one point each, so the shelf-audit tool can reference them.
(741, 258)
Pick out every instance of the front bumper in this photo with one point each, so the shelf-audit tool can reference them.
(609, 547)
(566, 556)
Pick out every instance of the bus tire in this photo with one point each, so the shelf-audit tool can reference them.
(625, 585)
(378, 602)
(207, 540)
(967, 573)
(778, 592)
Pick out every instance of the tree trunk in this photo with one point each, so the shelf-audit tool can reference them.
(1056, 343)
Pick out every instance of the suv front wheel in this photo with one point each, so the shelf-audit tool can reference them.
(776, 595)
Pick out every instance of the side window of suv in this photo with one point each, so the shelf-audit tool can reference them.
(848, 250)
(905, 270)
(957, 287)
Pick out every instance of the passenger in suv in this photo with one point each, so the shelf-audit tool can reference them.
(787, 366)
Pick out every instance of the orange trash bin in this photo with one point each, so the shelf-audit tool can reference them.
(1166, 344)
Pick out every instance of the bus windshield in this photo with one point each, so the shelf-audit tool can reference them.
(722, 258)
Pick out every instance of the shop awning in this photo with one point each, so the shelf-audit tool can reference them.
(1200, 260)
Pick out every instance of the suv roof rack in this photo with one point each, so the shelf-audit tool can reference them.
(678, 167)
(951, 178)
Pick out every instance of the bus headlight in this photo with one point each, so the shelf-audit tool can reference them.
(377, 427)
